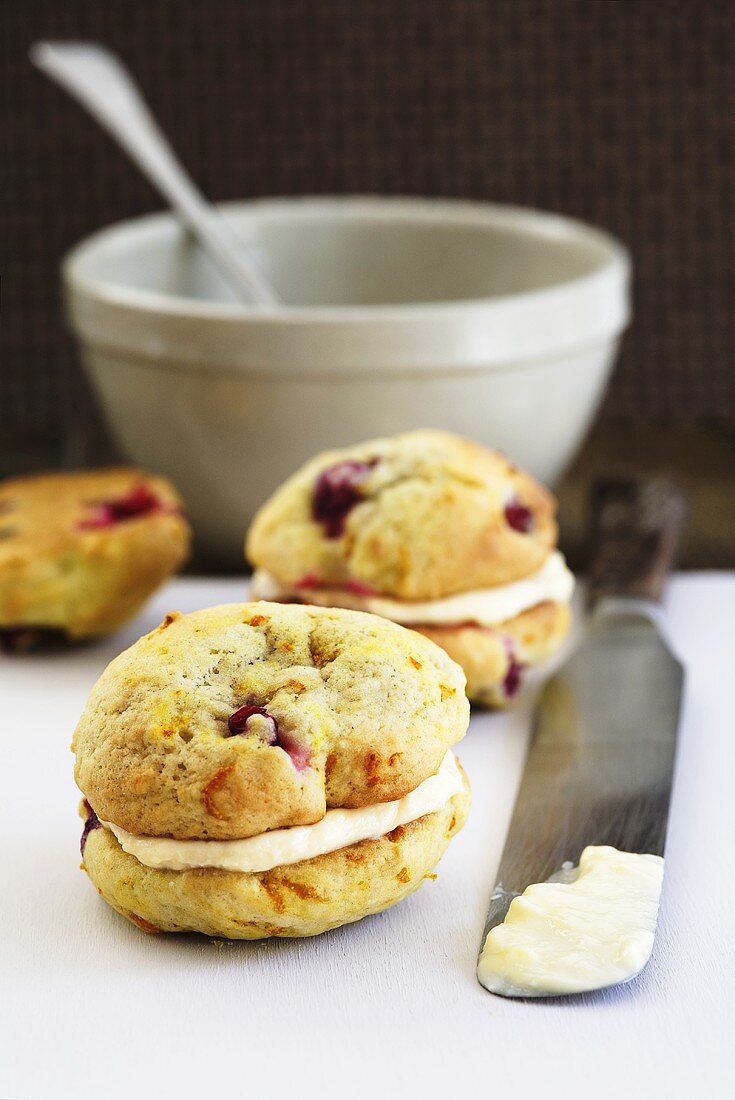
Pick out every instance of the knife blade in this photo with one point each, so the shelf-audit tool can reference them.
(601, 759)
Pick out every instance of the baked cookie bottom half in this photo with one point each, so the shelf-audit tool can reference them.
(300, 899)
(494, 659)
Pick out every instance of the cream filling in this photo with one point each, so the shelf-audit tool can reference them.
(337, 829)
(591, 928)
(484, 606)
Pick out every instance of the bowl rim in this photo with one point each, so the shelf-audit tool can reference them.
(614, 266)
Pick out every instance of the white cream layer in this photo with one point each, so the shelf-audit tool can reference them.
(484, 606)
(337, 829)
(591, 928)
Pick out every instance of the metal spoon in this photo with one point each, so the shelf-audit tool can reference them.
(99, 81)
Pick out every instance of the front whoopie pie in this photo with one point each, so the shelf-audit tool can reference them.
(81, 552)
(432, 531)
(262, 770)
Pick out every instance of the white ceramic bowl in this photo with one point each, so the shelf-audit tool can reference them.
(495, 322)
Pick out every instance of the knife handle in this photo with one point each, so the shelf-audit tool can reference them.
(635, 531)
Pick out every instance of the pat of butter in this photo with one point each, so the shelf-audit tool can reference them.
(337, 829)
(484, 606)
(592, 928)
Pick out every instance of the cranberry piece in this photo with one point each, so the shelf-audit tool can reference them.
(310, 580)
(140, 501)
(513, 678)
(239, 721)
(357, 588)
(92, 822)
(271, 734)
(336, 492)
(519, 517)
(300, 755)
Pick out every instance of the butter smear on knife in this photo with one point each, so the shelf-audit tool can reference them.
(591, 926)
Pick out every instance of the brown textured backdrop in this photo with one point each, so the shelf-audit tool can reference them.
(619, 112)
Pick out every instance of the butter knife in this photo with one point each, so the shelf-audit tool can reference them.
(576, 900)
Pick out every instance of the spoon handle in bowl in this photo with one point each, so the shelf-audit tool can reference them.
(99, 81)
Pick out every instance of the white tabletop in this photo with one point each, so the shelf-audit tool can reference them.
(92, 1008)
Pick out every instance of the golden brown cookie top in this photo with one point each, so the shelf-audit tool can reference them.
(77, 548)
(49, 514)
(415, 516)
(237, 719)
